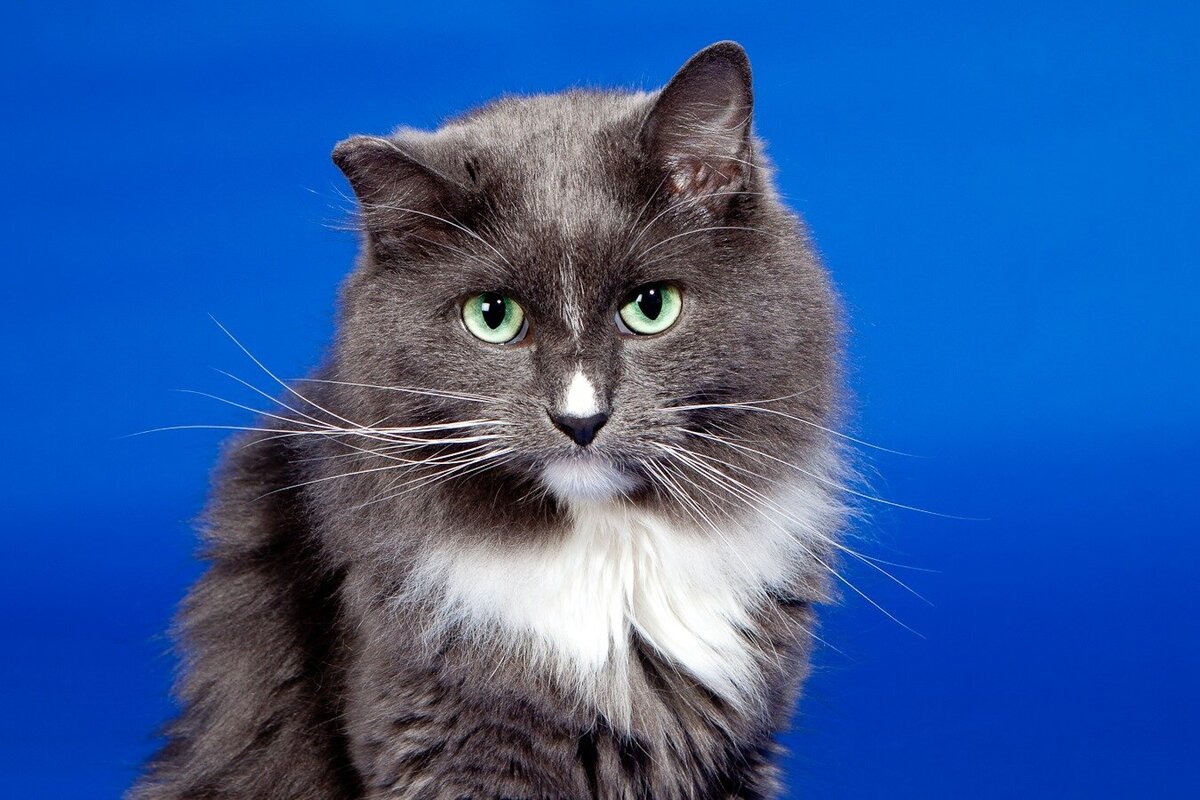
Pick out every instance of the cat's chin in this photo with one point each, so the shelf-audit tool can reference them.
(586, 479)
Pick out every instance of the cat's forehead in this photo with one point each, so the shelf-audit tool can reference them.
(549, 128)
(556, 161)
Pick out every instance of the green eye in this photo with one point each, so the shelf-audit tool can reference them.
(651, 308)
(494, 318)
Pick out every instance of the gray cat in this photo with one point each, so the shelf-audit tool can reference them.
(552, 519)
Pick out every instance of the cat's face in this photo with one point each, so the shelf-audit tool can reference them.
(600, 277)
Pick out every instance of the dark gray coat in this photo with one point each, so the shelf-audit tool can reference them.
(420, 588)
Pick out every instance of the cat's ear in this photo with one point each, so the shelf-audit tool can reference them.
(698, 132)
(394, 189)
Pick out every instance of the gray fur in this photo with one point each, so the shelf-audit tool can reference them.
(317, 666)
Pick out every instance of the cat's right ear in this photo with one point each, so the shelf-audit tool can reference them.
(698, 132)
(394, 189)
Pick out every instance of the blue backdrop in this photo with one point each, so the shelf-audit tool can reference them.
(1007, 197)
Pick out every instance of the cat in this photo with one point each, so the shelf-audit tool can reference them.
(552, 519)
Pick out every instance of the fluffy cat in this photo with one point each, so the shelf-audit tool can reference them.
(552, 519)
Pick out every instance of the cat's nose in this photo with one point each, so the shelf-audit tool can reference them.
(582, 430)
(581, 410)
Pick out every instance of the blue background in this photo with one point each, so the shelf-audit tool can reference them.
(1007, 197)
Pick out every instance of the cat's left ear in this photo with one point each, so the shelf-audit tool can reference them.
(698, 132)
(397, 192)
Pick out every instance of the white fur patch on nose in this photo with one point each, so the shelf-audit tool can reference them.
(580, 399)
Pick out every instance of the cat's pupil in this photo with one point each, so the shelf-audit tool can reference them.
(650, 302)
(492, 309)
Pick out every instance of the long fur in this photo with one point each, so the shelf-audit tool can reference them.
(419, 587)
(688, 591)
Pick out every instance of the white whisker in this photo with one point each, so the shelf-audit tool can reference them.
(437, 460)
(275, 378)
(706, 473)
(406, 389)
(675, 207)
(271, 399)
(456, 225)
(455, 471)
(752, 405)
(824, 480)
(760, 497)
(695, 231)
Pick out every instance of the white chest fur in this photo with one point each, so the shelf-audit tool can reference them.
(574, 602)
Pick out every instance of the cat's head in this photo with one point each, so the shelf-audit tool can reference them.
(607, 281)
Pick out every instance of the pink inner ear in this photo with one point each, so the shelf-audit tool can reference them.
(699, 128)
(692, 176)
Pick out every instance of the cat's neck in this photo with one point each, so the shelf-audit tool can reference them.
(574, 603)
